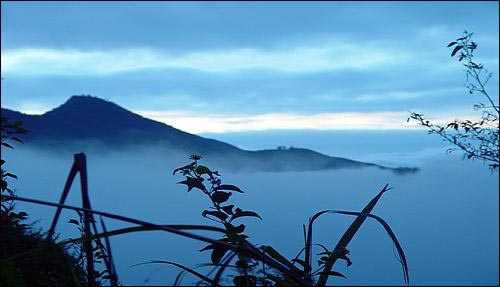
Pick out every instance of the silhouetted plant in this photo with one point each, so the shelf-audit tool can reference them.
(10, 131)
(55, 267)
(223, 213)
(251, 273)
(100, 253)
(94, 251)
(255, 266)
(476, 139)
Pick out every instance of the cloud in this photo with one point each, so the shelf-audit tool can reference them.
(406, 95)
(329, 55)
(218, 123)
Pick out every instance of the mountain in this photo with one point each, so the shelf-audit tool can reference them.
(93, 120)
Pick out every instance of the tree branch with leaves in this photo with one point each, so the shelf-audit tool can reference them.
(476, 139)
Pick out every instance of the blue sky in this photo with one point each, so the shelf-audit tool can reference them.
(242, 66)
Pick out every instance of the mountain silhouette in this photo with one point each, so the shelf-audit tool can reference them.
(91, 119)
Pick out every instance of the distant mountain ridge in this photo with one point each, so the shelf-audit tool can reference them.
(91, 118)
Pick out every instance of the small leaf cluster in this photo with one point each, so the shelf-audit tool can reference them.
(100, 251)
(300, 268)
(10, 131)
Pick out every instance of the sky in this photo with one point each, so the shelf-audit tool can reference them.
(219, 67)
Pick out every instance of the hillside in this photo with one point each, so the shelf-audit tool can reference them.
(86, 118)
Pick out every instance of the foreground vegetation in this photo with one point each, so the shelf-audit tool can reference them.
(231, 254)
(29, 257)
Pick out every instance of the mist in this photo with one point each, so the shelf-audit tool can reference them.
(445, 216)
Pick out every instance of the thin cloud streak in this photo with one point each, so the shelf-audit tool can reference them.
(309, 58)
(187, 121)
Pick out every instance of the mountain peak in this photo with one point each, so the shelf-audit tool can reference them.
(87, 100)
(85, 106)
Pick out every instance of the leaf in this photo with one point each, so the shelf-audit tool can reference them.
(7, 145)
(218, 214)
(341, 253)
(333, 273)
(280, 258)
(192, 182)
(451, 44)
(203, 169)
(11, 175)
(303, 263)
(189, 166)
(220, 196)
(228, 187)
(208, 247)
(238, 229)
(74, 221)
(228, 209)
(17, 140)
(197, 274)
(457, 48)
(241, 213)
(217, 254)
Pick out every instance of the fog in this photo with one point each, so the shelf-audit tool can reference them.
(445, 216)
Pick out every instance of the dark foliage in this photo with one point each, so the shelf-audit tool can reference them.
(53, 266)
(251, 272)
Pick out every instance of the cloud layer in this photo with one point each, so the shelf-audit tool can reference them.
(244, 65)
(328, 57)
(192, 123)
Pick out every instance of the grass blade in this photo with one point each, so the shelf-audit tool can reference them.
(81, 166)
(187, 269)
(110, 264)
(64, 195)
(401, 254)
(115, 233)
(349, 234)
(223, 266)
(247, 250)
(389, 231)
(280, 258)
